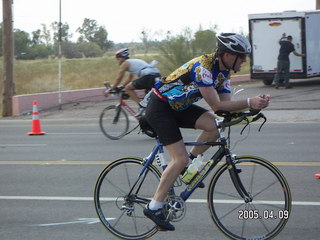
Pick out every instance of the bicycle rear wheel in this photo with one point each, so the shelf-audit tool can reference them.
(114, 122)
(262, 218)
(119, 202)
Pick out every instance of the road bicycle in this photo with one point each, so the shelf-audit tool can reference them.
(114, 119)
(248, 197)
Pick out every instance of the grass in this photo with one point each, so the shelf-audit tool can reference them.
(36, 76)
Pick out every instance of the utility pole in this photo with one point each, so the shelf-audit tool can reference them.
(318, 4)
(8, 84)
(60, 60)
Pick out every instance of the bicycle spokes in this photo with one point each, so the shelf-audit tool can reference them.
(268, 210)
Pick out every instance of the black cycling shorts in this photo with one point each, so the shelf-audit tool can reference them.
(145, 82)
(166, 121)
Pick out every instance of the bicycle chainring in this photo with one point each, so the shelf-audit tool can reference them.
(175, 208)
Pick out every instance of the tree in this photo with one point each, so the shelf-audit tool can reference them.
(146, 38)
(45, 35)
(36, 37)
(101, 38)
(64, 32)
(87, 30)
(22, 43)
(179, 49)
(91, 32)
(71, 50)
(38, 51)
(204, 42)
(90, 49)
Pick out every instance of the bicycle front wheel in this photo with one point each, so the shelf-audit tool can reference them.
(262, 218)
(114, 122)
(120, 197)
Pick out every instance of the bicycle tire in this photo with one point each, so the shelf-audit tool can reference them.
(114, 126)
(119, 212)
(265, 216)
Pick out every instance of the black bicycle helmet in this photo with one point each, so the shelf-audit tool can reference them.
(233, 43)
(124, 52)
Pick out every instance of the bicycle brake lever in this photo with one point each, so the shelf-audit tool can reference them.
(245, 126)
(260, 115)
(264, 121)
(257, 117)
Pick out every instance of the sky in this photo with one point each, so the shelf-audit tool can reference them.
(124, 20)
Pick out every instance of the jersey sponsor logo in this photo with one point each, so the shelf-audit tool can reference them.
(206, 76)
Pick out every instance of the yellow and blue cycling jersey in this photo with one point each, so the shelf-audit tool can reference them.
(181, 87)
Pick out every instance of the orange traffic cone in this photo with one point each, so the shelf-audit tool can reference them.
(36, 128)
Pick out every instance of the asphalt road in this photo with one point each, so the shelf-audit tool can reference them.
(47, 182)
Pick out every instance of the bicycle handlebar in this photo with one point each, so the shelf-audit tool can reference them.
(233, 118)
(117, 90)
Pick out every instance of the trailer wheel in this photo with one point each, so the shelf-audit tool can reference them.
(267, 81)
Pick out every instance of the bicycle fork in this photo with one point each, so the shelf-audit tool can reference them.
(234, 174)
(116, 117)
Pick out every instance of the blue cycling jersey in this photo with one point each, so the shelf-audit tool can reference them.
(181, 88)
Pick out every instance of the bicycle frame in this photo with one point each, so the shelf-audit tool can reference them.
(205, 170)
(124, 105)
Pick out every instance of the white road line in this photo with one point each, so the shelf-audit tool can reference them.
(76, 221)
(24, 145)
(60, 198)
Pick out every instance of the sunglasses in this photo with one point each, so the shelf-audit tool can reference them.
(242, 55)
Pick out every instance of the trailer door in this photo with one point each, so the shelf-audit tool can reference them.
(313, 44)
(265, 35)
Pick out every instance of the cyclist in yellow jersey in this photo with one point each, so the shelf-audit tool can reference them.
(171, 106)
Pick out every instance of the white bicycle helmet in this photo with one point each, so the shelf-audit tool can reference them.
(234, 43)
(124, 52)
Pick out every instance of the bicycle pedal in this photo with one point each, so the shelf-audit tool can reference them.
(202, 185)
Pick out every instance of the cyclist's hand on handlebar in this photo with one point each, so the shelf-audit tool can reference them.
(112, 90)
(260, 102)
(106, 93)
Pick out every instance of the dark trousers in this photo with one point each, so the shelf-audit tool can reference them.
(283, 67)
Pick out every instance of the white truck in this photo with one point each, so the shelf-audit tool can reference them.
(265, 30)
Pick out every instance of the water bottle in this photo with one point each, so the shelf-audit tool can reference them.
(161, 160)
(192, 169)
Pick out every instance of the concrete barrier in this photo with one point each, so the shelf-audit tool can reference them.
(22, 104)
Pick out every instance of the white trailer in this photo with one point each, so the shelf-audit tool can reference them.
(266, 29)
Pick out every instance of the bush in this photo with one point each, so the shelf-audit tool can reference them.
(70, 50)
(178, 50)
(90, 49)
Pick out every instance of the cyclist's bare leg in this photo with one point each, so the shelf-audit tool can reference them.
(206, 123)
(179, 160)
(129, 88)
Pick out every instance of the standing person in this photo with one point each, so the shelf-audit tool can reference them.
(145, 72)
(283, 64)
(171, 107)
